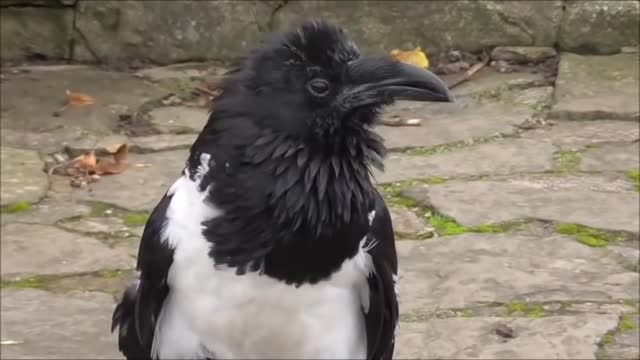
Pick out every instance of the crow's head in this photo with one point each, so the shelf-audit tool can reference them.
(313, 84)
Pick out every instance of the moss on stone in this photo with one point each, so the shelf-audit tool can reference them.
(16, 207)
(446, 225)
(34, 282)
(566, 161)
(634, 176)
(466, 313)
(439, 149)
(607, 339)
(626, 323)
(99, 209)
(135, 219)
(541, 108)
(435, 180)
(586, 235)
(524, 309)
(108, 281)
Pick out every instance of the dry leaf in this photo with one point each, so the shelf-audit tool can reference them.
(110, 168)
(113, 148)
(121, 153)
(86, 162)
(79, 99)
(414, 57)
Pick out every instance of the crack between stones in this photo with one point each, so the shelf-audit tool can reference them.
(498, 310)
(72, 42)
(272, 17)
(518, 25)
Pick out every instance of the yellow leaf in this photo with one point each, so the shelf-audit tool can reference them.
(415, 57)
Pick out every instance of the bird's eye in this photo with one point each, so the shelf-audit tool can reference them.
(318, 87)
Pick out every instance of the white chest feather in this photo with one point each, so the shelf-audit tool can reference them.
(211, 311)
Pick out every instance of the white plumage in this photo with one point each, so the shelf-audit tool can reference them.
(251, 316)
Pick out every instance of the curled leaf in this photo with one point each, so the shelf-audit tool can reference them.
(86, 161)
(110, 168)
(414, 57)
(121, 153)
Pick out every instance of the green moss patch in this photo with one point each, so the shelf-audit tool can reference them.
(129, 218)
(566, 161)
(586, 235)
(444, 225)
(439, 149)
(108, 281)
(520, 308)
(16, 207)
(135, 219)
(35, 282)
(634, 176)
(607, 339)
(627, 323)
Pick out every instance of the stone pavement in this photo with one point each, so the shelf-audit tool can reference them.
(515, 241)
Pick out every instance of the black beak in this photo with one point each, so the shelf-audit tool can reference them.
(383, 80)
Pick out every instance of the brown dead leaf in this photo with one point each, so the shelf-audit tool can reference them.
(121, 154)
(79, 99)
(86, 161)
(414, 57)
(105, 167)
(110, 167)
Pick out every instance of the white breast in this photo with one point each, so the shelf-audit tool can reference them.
(211, 311)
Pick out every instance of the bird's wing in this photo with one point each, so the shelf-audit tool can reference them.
(382, 316)
(135, 316)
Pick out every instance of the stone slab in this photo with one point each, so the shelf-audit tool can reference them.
(447, 123)
(179, 119)
(29, 249)
(138, 188)
(98, 144)
(113, 30)
(556, 337)
(52, 326)
(163, 142)
(47, 212)
(488, 79)
(613, 157)
(28, 32)
(522, 54)
(21, 176)
(113, 226)
(47, 142)
(574, 135)
(471, 26)
(492, 103)
(600, 27)
(30, 98)
(597, 87)
(625, 344)
(405, 222)
(607, 202)
(479, 269)
(509, 156)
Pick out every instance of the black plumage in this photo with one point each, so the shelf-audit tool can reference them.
(286, 156)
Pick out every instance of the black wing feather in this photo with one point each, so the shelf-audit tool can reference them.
(136, 315)
(382, 317)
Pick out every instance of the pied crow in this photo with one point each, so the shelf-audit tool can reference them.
(274, 242)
